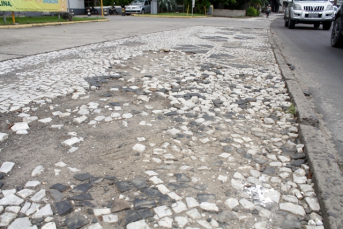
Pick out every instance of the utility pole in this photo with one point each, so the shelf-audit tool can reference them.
(102, 10)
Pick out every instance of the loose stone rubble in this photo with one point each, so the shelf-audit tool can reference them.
(154, 131)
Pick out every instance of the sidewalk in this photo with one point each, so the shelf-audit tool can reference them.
(154, 131)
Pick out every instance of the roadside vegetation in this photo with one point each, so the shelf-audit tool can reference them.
(200, 5)
(45, 19)
(251, 11)
(291, 110)
(181, 14)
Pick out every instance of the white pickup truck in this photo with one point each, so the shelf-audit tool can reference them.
(314, 12)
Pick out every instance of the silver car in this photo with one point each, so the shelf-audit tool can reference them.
(314, 12)
(138, 6)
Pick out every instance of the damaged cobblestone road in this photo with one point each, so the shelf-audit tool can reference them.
(153, 131)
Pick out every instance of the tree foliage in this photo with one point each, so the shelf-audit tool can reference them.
(199, 6)
(167, 5)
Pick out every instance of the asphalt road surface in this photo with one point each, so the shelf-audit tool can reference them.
(320, 69)
(15, 43)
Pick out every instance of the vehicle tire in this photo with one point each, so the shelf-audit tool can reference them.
(336, 34)
(286, 23)
(142, 12)
(291, 23)
(316, 24)
(327, 25)
(110, 11)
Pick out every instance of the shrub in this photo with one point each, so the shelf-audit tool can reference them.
(251, 12)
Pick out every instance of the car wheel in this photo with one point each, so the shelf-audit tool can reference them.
(327, 25)
(336, 34)
(291, 23)
(286, 23)
(143, 12)
(316, 25)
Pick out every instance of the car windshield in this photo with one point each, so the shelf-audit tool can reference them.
(137, 2)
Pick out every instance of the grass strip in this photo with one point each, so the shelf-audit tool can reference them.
(182, 14)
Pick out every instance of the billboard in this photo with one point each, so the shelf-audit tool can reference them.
(34, 5)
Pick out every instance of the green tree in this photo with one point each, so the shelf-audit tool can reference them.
(199, 6)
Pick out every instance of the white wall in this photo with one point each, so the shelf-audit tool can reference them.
(76, 4)
(228, 13)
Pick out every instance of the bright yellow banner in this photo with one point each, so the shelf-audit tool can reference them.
(34, 5)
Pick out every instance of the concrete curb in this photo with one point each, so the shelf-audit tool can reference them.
(49, 24)
(167, 16)
(327, 176)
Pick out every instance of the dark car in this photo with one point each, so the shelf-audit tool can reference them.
(337, 30)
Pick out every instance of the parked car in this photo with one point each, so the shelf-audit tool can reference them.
(337, 29)
(138, 6)
(314, 12)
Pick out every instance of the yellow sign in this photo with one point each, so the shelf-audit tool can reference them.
(34, 5)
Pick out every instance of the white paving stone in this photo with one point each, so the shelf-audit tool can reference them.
(3, 137)
(179, 207)
(43, 212)
(52, 225)
(231, 203)
(272, 194)
(222, 178)
(38, 197)
(32, 184)
(45, 120)
(139, 147)
(163, 189)
(181, 221)
(194, 213)
(156, 180)
(70, 142)
(163, 211)
(313, 203)
(37, 171)
(166, 222)
(141, 224)
(293, 208)
(24, 193)
(6, 167)
(33, 208)
(247, 204)
(6, 218)
(209, 207)
(9, 191)
(11, 199)
(174, 196)
(101, 211)
(80, 119)
(111, 218)
(14, 209)
(20, 126)
(22, 223)
(192, 202)
(204, 224)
